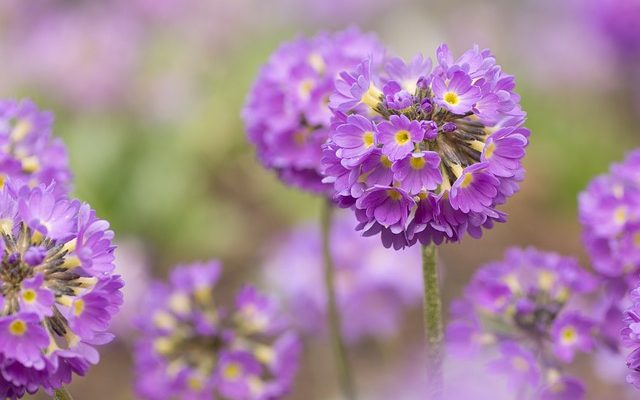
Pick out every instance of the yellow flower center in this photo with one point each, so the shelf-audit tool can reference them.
(21, 130)
(384, 160)
(568, 335)
(417, 163)
(317, 62)
(18, 327)
(636, 239)
(620, 215)
(29, 296)
(394, 195)
(367, 139)
(546, 279)
(467, 180)
(451, 98)
(305, 88)
(195, 384)
(491, 147)
(520, 364)
(372, 96)
(402, 136)
(78, 307)
(232, 371)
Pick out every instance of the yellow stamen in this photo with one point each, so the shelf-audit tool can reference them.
(164, 320)
(78, 307)
(620, 215)
(477, 145)
(402, 136)
(456, 169)
(30, 165)
(317, 63)
(394, 194)
(451, 98)
(546, 279)
(568, 336)
(417, 163)
(179, 302)
(29, 296)
(367, 139)
(71, 262)
(372, 96)
(384, 160)
(18, 327)
(21, 130)
(232, 371)
(163, 345)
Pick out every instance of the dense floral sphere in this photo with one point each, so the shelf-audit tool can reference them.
(286, 114)
(526, 307)
(610, 217)
(28, 152)
(426, 153)
(58, 293)
(374, 286)
(193, 348)
(630, 335)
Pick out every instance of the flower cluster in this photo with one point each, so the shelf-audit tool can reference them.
(192, 348)
(286, 113)
(610, 216)
(58, 291)
(525, 307)
(367, 276)
(426, 153)
(28, 152)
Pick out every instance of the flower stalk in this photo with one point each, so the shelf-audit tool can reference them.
(433, 322)
(343, 366)
(62, 394)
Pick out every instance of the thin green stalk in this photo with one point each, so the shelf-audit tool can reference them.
(433, 322)
(62, 394)
(343, 369)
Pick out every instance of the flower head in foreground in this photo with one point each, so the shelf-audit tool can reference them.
(29, 154)
(58, 291)
(426, 153)
(374, 285)
(524, 307)
(192, 348)
(287, 114)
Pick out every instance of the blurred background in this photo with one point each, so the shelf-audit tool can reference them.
(148, 93)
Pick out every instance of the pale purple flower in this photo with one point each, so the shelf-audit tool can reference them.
(572, 332)
(286, 113)
(192, 347)
(518, 364)
(368, 277)
(465, 111)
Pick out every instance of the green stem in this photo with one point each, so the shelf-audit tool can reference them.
(433, 322)
(62, 394)
(345, 378)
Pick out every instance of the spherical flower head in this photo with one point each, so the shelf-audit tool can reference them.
(287, 115)
(618, 20)
(451, 135)
(609, 211)
(30, 154)
(193, 348)
(57, 300)
(532, 298)
(367, 275)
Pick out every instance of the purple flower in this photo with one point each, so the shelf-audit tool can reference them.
(367, 276)
(465, 112)
(389, 206)
(191, 347)
(530, 298)
(609, 213)
(417, 172)
(31, 155)
(518, 364)
(457, 94)
(618, 20)
(54, 307)
(398, 136)
(286, 113)
(571, 332)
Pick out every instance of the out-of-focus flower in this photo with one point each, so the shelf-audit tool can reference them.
(525, 306)
(132, 265)
(29, 154)
(286, 113)
(443, 150)
(618, 20)
(193, 348)
(89, 61)
(610, 216)
(374, 285)
(58, 291)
